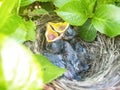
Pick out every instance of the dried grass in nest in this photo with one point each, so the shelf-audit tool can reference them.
(104, 73)
(104, 53)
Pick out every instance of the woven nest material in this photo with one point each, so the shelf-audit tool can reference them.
(105, 71)
(104, 53)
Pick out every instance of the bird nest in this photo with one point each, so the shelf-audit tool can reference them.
(104, 73)
(104, 61)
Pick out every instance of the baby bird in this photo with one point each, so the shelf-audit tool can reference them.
(64, 53)
(56, 31)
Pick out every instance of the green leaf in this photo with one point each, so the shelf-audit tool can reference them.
(73, 12)
(26, 2)
(30, 28)
(25, 31)
(2, 79)
(101, 2)
(87, 31)
(104, 2)
(16, 8)
(117, 3)
(117, 0)
(50, 71)
(37, 12)
(20, 68)
(44, 0)
(19, 35)
(60, 3)
(107, 20)
(19, 29)
(6, 6)
(11, 24)
(89, 6)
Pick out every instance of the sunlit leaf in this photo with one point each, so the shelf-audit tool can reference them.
(11, 24)
(50, 71)
(44, 0)
(104, 2)
(6, 6)
(25, 31)
(74, 12)
(87, 31)
(21, 69)
(16, 8)
(19, 35)
(60, 3)
(2, 79)
(89, 6)
(19, 29)
(30, 29)
(107, 20)
(26, 2)
(101, 2)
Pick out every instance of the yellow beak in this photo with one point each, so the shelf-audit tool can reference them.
(50, 34)
(60, 27)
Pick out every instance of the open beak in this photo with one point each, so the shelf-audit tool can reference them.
(60, 27)
(50, 34)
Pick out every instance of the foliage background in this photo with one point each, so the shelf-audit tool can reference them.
(90, 16)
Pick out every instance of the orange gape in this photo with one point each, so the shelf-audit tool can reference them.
(59, 27)
(50, 34)
(55, 31)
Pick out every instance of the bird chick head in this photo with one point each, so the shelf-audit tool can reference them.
(55, 31)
